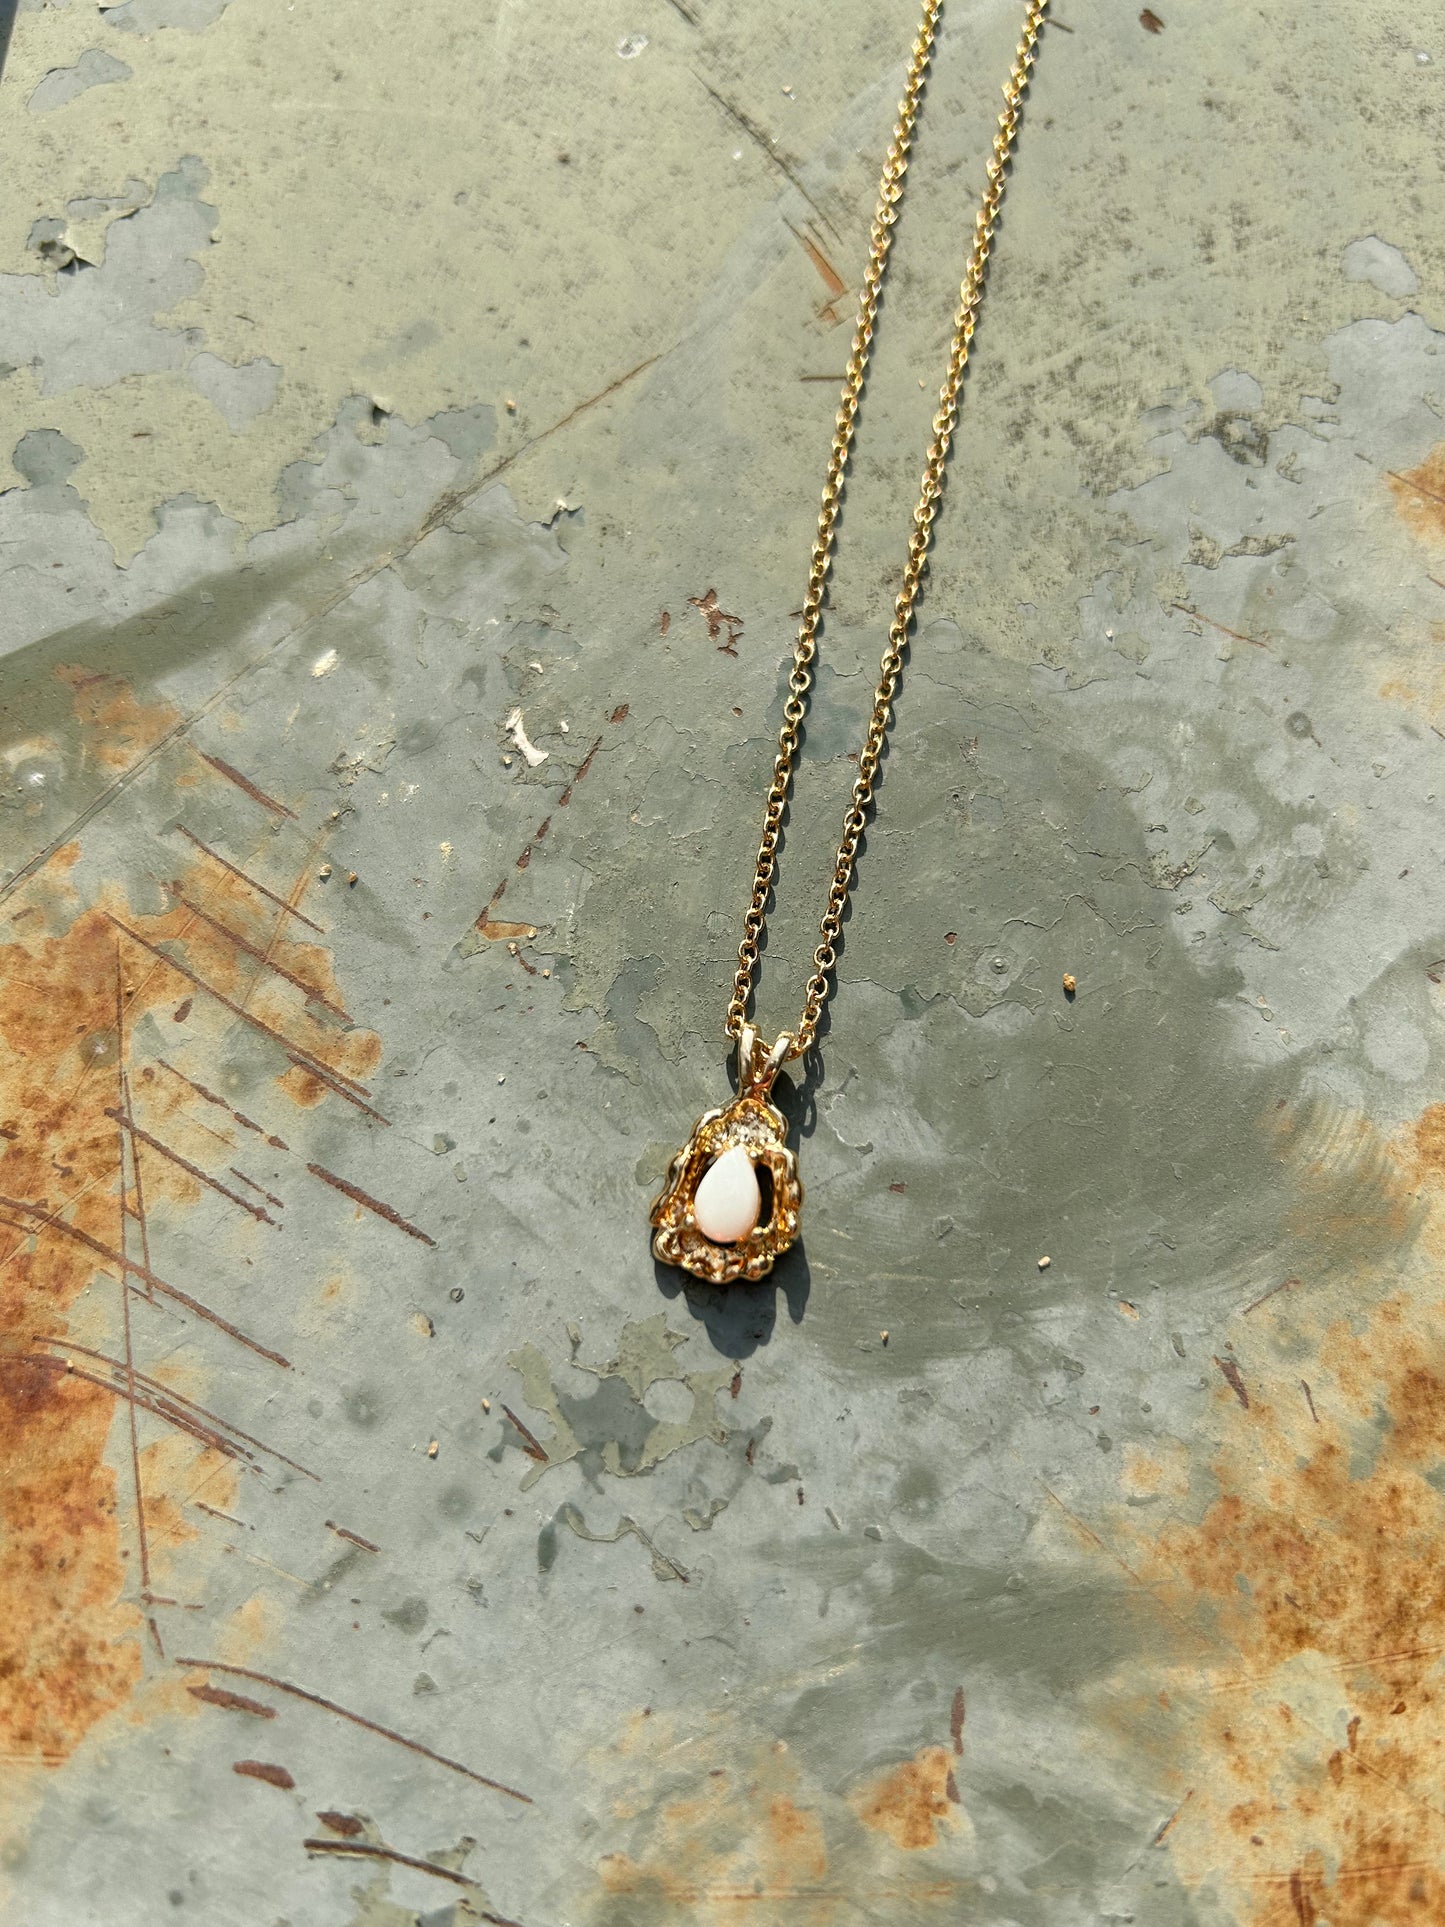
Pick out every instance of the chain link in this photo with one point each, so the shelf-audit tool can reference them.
(890, 193)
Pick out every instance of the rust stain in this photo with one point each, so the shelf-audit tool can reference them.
(1429, 1141)
(499, 930)
(265, 1770)
(718, 619)
(910, 1803)
(740, 1844)
(115, 727)
(346, 1824)
(1419, 495)
(69, 1639)
(1302, 1737)
(96, 1144)
(267, 957)
(250, 882)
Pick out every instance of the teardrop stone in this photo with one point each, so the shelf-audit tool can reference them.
(727, 1202)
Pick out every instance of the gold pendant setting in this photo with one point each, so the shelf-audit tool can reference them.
(757, 1128)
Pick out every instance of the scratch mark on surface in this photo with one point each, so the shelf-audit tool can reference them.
(1090, 1534)
(233, 775)
(216, 1513)
(231, 1702)
(369, 1203)
(336, 1080)
(1414, 482)
(455, 499)
(249, 1124)
(446, 506)
(1234, 1378)
(829, 275)
(363, 1850)
(582, 768)
(1166, 1825)
(168, 1399)
(355, 1538)
(496, 929)
(142, 1540)
(955, 1720)
(259, 1189)
(530, 1443)
(1185, 610)
(250, 881)
(1285, 1284)
(765, 146)
(356, 1719)
(146, 1276)
(137, 1134)
(260, 956)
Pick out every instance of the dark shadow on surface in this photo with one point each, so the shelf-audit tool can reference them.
(739, 1318)
(7, 21)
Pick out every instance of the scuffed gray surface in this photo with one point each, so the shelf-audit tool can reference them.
(1171, 724)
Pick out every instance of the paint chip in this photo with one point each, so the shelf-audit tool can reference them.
(518, 735)
(325, 663)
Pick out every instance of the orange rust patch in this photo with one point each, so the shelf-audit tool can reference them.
(748, 1843)
(910, 1804)
(69, 1645)
(1420, 496)
(115, 728)
(1429, 1141)
(1162, 1471)
(173, 1471)
(267, 1770)
(75, 1583)
(1307, 1765)
(499, 930)
(794, 1839)
(729, 1849)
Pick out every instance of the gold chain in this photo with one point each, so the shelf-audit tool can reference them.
(890, 193)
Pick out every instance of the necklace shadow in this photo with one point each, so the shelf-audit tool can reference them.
(739, 1318)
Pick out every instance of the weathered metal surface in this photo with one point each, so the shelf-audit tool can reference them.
(360, 1472)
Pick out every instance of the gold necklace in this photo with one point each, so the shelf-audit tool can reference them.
(713, 1217)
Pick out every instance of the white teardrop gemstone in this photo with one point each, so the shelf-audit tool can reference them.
(727, 1202)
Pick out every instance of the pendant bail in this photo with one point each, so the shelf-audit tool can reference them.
(757, 1065)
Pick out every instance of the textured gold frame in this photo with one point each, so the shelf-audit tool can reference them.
(761, 1130)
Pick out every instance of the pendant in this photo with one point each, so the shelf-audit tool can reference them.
(731, 1203)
